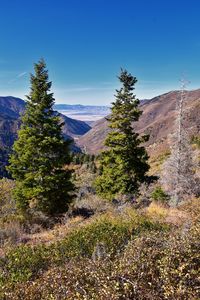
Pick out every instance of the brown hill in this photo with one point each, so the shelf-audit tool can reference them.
(11, 106)
(158, 120)
(10, 110)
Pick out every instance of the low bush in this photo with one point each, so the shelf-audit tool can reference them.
(7, 204)
(157, 212)
(112, 231)
(153, 266)
(141, 259)
(159, 195)
(196, 141)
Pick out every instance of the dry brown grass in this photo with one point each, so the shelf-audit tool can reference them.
(156, 161)
(58, 232)
(169, 215)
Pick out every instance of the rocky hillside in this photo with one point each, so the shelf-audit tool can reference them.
(158, 120)
(10, 110)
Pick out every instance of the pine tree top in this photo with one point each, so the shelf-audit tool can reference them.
(127, 80)
(40, 86)
(124, 110)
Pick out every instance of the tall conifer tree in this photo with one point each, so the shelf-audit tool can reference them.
(124, 162)
(40, 152)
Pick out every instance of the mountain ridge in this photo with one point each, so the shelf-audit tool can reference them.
(157, 120)
(11, 109)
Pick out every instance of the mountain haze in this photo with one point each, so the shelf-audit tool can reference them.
(86, 113)
(84, 108)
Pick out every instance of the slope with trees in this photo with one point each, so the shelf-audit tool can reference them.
(159, 114)
(11, 110)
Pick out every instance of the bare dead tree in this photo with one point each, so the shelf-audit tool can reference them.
(179, 176)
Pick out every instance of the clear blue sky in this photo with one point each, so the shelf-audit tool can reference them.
(85, 42)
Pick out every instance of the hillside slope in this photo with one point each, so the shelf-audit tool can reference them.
(158, 120)
(11, 106)
(72, 127)
(10, 110)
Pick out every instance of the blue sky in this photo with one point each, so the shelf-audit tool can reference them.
(85, 42)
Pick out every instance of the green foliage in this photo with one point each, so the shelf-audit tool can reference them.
(124, 163)
(83, 241)
(40, 152)
(25, 262)
(196, 141)
(84, 159)
(155, 265)
(179, 266)
(114, 232)
(159, 195)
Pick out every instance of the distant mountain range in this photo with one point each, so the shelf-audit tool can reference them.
(158, 120)
(10, 110)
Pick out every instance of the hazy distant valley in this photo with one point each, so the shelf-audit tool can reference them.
(86, 113)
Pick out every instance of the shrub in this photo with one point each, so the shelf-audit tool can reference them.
(153, 266)
(113, 231)
(7, 204)
(179, 266)
(159, 195)
(196, 141)
(10, 233)
(24, 262)
(157, 212)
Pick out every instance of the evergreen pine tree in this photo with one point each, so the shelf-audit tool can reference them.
(124, 162)
(40, 152)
